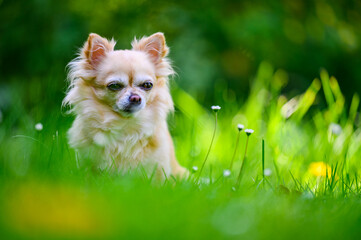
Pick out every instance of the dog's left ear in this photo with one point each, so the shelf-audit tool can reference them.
(153, 45)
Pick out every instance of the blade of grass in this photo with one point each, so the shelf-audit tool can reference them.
(325, 79)
(153, 173)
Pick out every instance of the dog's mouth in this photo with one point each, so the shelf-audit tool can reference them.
(128, 111)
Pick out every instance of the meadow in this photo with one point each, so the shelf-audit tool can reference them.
(287, 70)
(300, 173)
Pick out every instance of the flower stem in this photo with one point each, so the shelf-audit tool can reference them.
(243, 163)
(209, 150)
(263, 159)
(235, 151)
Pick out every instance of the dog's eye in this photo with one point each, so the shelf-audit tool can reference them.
(115, 86)
(147, 85)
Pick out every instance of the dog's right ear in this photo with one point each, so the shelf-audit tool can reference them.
(96, 48)
(153, 45)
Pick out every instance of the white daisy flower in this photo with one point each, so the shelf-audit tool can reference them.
(307, 195)
(335, 128)
(267, 172)
(216, 108)
(38, 127)
(226, 173)
(240, 127)
(249, 131)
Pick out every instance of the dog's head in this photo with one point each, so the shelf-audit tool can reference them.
(126, 81)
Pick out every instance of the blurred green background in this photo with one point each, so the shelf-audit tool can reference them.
(216, 46)
(268, 64)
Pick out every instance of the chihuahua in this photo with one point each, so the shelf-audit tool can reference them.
(121, 100)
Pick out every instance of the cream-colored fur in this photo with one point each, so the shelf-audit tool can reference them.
(102, 129)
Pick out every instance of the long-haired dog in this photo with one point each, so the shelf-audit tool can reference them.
(121, 101)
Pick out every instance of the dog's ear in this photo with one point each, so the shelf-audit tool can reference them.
(153, 45)
(96, 48)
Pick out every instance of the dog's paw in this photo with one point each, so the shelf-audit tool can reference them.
(181, 172)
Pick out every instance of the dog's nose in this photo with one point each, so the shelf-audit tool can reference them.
(135, 99)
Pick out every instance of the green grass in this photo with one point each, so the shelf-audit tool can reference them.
(46, 194)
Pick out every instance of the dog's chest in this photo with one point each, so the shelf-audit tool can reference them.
(124, 143)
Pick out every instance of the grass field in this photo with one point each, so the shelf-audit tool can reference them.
(303, 183)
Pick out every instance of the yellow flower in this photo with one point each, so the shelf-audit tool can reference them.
(43, 210)
(319, 169)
